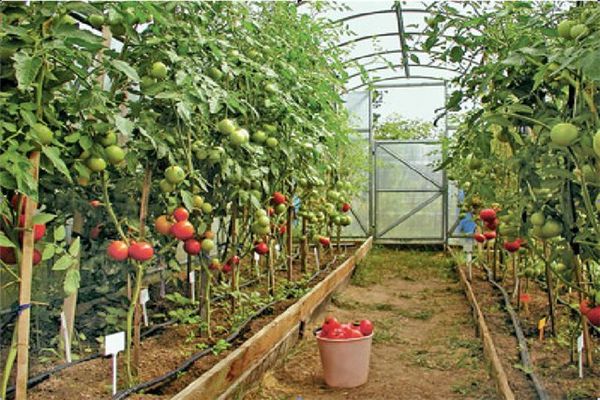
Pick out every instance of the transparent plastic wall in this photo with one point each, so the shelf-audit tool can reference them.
(358, 105)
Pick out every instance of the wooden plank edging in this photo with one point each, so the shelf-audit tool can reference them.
(248, 356)
(489, 350)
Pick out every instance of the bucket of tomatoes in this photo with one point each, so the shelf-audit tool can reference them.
(345, 351)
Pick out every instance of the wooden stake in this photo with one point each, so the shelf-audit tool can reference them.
(550, 284)
(25, 289)
(271, 273)
(234, 282)
(587, 340)
(304, 246)
(290, 242)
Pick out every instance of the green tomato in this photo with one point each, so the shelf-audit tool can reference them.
(272, 142)
(263, 221)
(215, 73)
(564, 134)
(208, 245)
(43, 134)
(260, 213)
(166, 186)
(109, 139)
(226, 126)
(579, 31)
(564, 29)
(551, 228)
(270, 128)
(537, 218)
(96, 164)
(280, 208)
(175, 174)
(259, 137)
(159, 70)
(96, 20)
(239, 137)
(198, 201)
(115, 154)
(206, 208)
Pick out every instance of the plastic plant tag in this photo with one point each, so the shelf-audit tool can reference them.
(144, 298)
(317, 261)
(65, 331)
(256, 256)
(192, 279)
(113, 344)
(580, 355)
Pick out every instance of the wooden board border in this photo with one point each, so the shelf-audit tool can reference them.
(489, 350)
(257, 353)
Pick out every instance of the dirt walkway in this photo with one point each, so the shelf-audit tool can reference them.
(424, 346)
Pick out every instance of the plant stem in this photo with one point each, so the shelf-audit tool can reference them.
(134, 299)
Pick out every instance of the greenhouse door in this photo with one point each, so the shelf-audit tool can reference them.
(409, 196)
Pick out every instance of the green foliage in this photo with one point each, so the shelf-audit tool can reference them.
(397, 127)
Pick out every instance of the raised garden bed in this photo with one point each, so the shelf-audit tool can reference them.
(177, 355)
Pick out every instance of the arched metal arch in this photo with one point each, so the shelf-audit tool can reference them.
(402, 65)
(376, 81)
(390, 11)
(381, 53)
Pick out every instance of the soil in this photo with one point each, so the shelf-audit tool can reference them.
(553, 358)
(165, 351)
(424, 345)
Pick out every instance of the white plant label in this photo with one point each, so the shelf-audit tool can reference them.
(468, 245)
(256, 257)
(580, 354)
(277, 250)
(144, 298)
(113, 344)
(63, 324)
(192, 279)
(317, 261)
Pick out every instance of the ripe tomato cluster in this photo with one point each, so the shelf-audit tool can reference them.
(118, 250)
(333, 329)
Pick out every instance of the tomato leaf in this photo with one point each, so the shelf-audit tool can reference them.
(5, 241)
(124, 125)
(74, 247)
(26, 69)
(48, 253)
(188, 199)
(43, 218)
(72, 280)
(127, 69)
(54, 155)
(63, 263)
(59, 233)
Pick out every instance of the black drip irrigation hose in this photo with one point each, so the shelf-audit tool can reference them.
(523, 349)
(37, 379)
(162, 380)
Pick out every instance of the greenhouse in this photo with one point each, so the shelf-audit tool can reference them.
(299, 200)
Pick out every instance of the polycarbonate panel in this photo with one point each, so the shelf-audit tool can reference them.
(357, 104)
(407, 166)
(359, 216)
(427, 223)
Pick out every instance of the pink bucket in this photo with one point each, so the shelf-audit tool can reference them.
(345, 361)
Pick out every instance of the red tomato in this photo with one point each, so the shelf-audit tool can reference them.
(511, 247)
(235, 260)
(355, 333)
(492, 225)
(183, 230)
(39, 230)
(337, 333)
(95, 203)
(366, 327)
(118, 250)
(479, 237)
(37, 257)
(163, 225)
(141, 251)
(487, 214)
(329, 325)
(593, 315)
(261, 248)
(226, 268)
(324, 241)
(8, 255)
(192, 246)
(584, 307)
(181, 214)
(489, 235)
(270, 211)
(346, 207)
(278, 198)
(282, 229)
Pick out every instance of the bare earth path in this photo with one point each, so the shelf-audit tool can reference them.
(424, 347)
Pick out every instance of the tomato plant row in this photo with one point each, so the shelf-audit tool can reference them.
(196, 116)
(528, 150)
